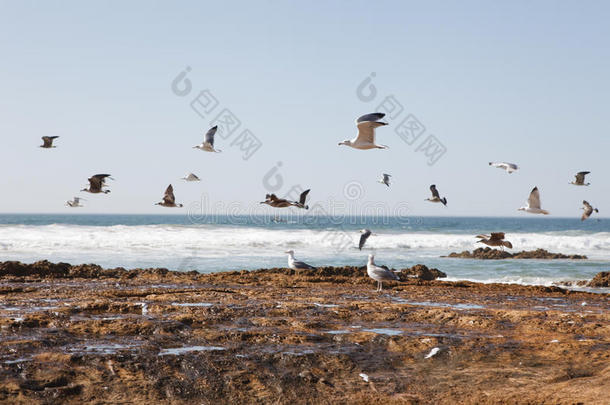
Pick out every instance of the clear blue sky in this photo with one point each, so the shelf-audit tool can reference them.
(525, 82)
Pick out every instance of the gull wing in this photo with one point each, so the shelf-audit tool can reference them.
(497, 236)
(95, 183)
(366, 131)
(580, 177)
(370, 117)
(483, 236)
(302, 265)
(434, 191)
(304, 196)
(363, 239)
(169, 197)
(209, 136)
(384, 274)
(534, 199)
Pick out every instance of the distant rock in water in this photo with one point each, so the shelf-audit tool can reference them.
(601, 279)
(488, 253)
(422, 272)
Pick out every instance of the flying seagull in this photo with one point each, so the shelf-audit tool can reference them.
(208, 142)
(191, 177)
(295, 264)
(588, 210)
(379, 274)
(47, 142)
(509, 167)
(495, 239)
(385, 179)
(436, 198)
(75, 202)
(273, 201)
(365, 235)
(366, 132)
(580, 179)
(533, 203)
(97, 183)
(169, 200)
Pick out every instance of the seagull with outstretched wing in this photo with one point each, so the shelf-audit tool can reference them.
(366, 132)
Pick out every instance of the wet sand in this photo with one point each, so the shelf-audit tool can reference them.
(85, 335)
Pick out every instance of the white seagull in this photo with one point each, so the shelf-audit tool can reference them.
(580, 179)
(533, 203)
(75, 202)
(366, 132)
(208, 142)
(509, 167)
(295, 264)
(379, 274)
(191, 177)
(385, 179)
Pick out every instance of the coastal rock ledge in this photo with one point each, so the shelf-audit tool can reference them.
(488, 253)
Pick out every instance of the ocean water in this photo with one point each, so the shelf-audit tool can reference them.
(217, 243)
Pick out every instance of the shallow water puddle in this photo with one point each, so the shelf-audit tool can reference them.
(384, 331)
(176, 351)
(438, 304)
(192, 304)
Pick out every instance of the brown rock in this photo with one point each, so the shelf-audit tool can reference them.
(488, 253)
(601, 279)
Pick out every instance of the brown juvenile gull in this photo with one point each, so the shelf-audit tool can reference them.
(509, 167)
(208, 142)
(533, 203)
(436, 198)
(295, 264)
(366, 132)
(580, 179)
(169, 200)
(379, 274)
(47, 142)
(273, 201)
(96, 184)
(495, 239)
(588, 210)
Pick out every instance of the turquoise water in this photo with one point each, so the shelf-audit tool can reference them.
(216, 243)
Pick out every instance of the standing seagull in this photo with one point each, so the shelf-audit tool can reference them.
(365, 235)
(208, 142)
(96, 184)
(495, 239)
(385, 179)
(379, 274)
(191, 177)
(580, 179)
(47, 142)
(75, 202)
(509, 167)
(168, 199)
(588, 210)
(533, 203)
(273, 201)
(436, 198)
(366, 132)
(295, 264)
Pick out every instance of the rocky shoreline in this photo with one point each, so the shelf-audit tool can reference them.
(488, 253)
(83, 334)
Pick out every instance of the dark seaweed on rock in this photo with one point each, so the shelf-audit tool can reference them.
(488, 253)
